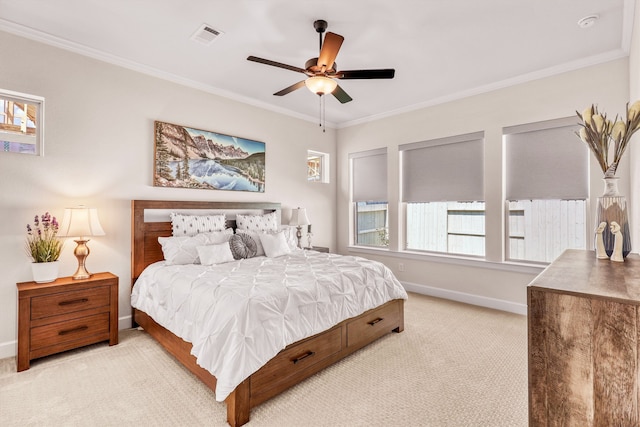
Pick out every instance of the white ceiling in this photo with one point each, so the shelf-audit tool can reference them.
(441, 50)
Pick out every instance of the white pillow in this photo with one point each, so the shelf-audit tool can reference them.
(215, 254)
(180, 250)
(190, 225)
(261, 223)
(290, 232)
(275, 245)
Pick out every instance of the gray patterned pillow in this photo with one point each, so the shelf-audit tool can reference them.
(242, 246)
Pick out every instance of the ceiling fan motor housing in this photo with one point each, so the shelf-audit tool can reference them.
(312, 66)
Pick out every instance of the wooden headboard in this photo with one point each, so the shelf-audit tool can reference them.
(145, 248)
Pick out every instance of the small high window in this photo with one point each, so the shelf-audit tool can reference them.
(21, 118)
(317, 166)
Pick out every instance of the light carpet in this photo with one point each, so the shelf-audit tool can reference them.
(454, 365)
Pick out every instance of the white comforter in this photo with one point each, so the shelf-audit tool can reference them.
(239, 315)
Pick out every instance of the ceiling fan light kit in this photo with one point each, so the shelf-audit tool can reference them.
(321, 71)
(321, 85)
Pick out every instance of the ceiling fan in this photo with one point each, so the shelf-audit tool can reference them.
(321, 71)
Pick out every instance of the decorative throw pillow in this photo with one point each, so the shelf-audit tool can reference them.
(256, 238)
(275, 245)
(260, 223)
(215, 254)
(190, 225)
(243, 246)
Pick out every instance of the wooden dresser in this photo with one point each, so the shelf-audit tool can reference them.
(65, 314)
(583, 329)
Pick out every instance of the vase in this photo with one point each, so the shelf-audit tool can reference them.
(612, 222)
(44, 272)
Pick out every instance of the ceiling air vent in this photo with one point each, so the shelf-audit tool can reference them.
(206, 34)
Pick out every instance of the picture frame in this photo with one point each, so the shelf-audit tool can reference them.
(186, 157)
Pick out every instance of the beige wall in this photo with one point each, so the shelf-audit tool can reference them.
(99, 151)
(489, 283)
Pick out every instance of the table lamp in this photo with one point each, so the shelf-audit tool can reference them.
(81, 223)
(299, 218)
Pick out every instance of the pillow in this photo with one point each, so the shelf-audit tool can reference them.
(178, 250)
(182, 249)
(274, 245)
(262, 223)
(190, 225)
(243, 246)
(256, 238)
(215, 254)
(290, 234)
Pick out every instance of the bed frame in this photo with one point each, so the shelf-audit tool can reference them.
(296, 362)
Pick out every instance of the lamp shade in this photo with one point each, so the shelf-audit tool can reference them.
(299, 217)
(321, 85)
(80, 222)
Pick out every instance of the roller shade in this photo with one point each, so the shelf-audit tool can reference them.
(546, 160)
(447, 169)
(369, 175)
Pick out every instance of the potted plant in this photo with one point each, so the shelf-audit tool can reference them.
(44, 248)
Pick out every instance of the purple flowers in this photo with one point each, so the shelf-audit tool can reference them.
(42, 243)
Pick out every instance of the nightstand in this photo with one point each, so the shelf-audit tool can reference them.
(65, 314)
(318, 249)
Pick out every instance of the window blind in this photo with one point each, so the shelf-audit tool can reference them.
(369, 175)
(546, 160)
(446, 169)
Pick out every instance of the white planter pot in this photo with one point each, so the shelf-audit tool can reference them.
(44, 272)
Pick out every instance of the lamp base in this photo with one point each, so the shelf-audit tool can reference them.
(81, 252)
(299, 236)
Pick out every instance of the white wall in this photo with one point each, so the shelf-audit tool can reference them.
(99, 152)
(489, 283)
(634, 95)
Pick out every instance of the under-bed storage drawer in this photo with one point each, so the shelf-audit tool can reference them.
(375, 323)
(297, 357)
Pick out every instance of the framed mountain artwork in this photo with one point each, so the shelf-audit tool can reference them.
(193, 158)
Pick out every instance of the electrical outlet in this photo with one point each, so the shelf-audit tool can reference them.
(401, 266)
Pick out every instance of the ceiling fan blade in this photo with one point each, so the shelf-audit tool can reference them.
(383, 73)
(341, 95)
(276, 64)
(329, 51)
(290, 88)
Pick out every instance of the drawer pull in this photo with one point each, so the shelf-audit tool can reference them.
(374, 321)
(74, 301)
(70, 331)
(304, 356)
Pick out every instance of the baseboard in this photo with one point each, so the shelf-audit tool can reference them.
(481, 301)
(10, 348)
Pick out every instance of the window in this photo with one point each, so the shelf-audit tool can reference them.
(21, 122)
(317, 166)
(369, 196)
(546, 175)
(443, 192)
(452, 227)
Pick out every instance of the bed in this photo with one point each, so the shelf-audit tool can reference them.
(290, 364)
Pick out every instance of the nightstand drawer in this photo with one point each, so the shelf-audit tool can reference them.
(69, 302)
(72, 330)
